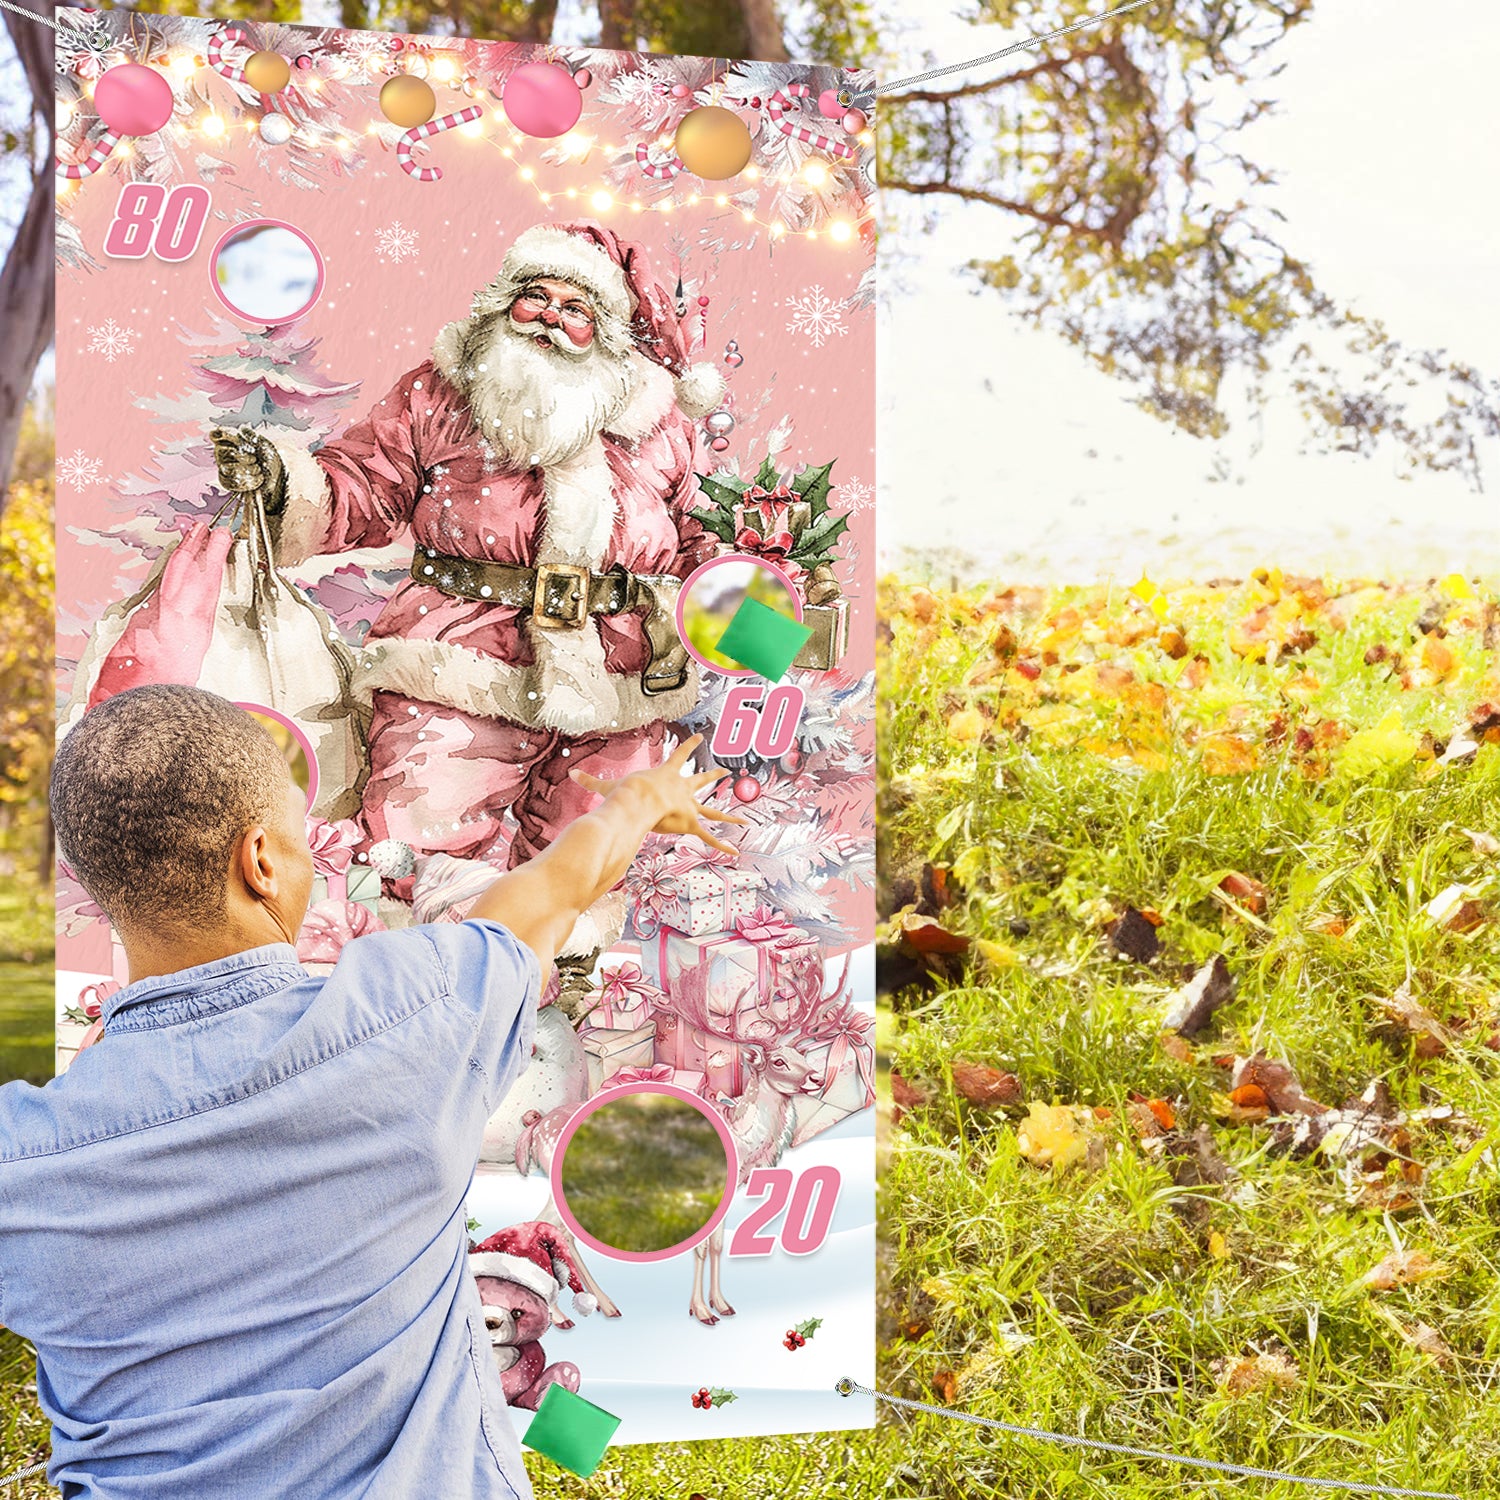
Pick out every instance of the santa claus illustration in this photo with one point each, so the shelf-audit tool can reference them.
(543, 459)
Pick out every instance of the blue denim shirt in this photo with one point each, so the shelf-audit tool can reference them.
(234, 1229)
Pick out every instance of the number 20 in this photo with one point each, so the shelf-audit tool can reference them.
(808, 1215)
(150, 221)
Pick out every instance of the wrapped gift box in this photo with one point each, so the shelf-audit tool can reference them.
(829, 642)
(685, 1047)
(841, 1044)
(608, 1049)
(692, 889)
(359, 883)
(623, 998)
(758, 983)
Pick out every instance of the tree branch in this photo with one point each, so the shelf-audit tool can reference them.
(994, 200)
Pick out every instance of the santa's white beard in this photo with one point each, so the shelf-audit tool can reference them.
(539, 405)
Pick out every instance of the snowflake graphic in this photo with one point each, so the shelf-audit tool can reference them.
(367, 49)
(79, 470)
(110, 340)
(817, 315)
(396, 242)
(856, 494)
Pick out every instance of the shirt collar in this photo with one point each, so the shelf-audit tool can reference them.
(203, 990)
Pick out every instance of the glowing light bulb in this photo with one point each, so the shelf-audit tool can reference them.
(816, 173)
(443, 69)
(527, 173)
(601, 200)
(753, 172)
(471, 128)
(183, 63)
(721, 200)
(841, 231)
(213, 127)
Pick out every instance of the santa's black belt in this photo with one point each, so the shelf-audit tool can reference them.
(560, 596)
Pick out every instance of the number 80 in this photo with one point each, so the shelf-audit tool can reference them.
(150, 221)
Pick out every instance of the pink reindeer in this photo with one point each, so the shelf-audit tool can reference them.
(535, 1147)
(763, 1122)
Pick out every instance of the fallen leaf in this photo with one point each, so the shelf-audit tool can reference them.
(996, 955)
(1144, 1121)
(1484, 843)
(1134, 935)
(1328, 925)
(1411, 1018)
(1280, 1085)
(1225, 754)
(1163, 1112)
(1427, 1340)
(966, 725)
(945, 1383)
(985, 1086)
(1402, 1268)
(904, 1096)
(1457, 908)
(1383, 747)
(1257, 1372)
(925, 935)
(1176, 1047)
(1218, 1246)
(1246, 891)
(1192, 1005)
(1057, 1136)
(1250, 1096)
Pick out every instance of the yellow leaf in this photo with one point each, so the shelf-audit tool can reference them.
(1055, 1135)
(1456, 586)
(997, 954)
(967, 724)
(1385, 746)
(1218, 1246)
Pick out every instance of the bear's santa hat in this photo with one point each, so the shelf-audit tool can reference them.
(632, 304)
(533, 1256)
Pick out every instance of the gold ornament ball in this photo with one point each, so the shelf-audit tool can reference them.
(407, 101)
(713, 142)
(267, 72)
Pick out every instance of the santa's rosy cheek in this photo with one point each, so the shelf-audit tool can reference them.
(523, 313)
(582, 337)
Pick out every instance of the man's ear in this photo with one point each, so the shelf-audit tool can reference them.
(253, 861)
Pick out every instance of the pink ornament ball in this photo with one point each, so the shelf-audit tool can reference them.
(720, 445)
(829, 104)
(133, 99)
(583, 78)
(747, 789)
(680, 91)
(854, 121)
(542, 99)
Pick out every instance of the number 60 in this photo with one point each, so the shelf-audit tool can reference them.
(769, 728)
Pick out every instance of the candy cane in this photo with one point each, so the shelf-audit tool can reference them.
(75, 171)
(668, 168)
(781, 101)
(216, 46)
(421, 132)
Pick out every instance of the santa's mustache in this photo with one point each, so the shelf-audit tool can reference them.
(540, 333)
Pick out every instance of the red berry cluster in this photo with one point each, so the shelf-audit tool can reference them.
(793, 1339)
(702, 1399)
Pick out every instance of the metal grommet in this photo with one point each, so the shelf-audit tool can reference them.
(844, 1387)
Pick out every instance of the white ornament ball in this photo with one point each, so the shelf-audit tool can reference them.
(392, 860)
(275, 130)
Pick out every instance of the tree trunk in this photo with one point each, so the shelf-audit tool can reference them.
(763, 28)
(617, 29)
(539, 21)
(26, 278)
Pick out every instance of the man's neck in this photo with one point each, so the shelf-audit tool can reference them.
(148, 955)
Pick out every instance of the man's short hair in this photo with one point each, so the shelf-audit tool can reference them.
(151, 792)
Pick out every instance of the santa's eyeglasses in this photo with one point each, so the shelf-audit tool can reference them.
(534, 303)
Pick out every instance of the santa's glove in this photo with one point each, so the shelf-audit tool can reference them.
(247, 462)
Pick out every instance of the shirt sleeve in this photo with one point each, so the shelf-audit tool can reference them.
(497, 979)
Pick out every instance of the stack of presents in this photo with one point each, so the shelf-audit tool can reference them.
(722, 979)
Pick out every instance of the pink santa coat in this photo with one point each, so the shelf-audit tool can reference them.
(418, 461)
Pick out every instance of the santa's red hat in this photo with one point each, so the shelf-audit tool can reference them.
(633, 303)
(534, 1256)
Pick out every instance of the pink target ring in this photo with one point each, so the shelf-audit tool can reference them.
(542, 99)
(133, 99)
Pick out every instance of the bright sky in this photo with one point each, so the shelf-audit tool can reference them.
(1050, 471)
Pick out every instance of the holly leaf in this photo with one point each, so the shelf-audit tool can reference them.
(715, 521)
(819, 537)
(721, 492)
(814, 486)
(766, 479)
(721, 1397)
(808, 1328)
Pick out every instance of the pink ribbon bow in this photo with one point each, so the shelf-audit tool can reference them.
(619, 986)
(766, 925)
(687, 857)
(660, 1073)
(651, 886)
(332, 844)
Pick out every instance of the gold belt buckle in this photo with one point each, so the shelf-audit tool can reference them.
(561, 598)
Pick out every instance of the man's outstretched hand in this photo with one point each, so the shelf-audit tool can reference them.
(676, 795)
